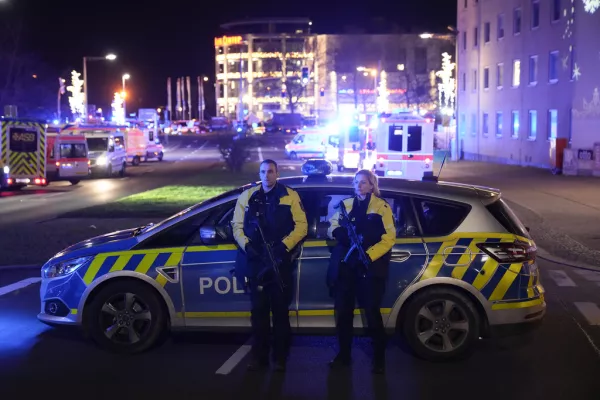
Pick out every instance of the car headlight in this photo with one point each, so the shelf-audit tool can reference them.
(64, 268)
(102, 160)
(6, 169)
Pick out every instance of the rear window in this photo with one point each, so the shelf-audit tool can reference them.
(507, 218)
(439, 218)
(415, 134)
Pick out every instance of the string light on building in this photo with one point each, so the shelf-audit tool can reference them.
(383, 95)
(76, 98)
(446, 89)
(118, 112)
(569, 14)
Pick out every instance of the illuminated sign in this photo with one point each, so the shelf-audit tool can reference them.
(227, 40)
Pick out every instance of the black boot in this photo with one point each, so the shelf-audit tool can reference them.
(342, 360)
(378, 364)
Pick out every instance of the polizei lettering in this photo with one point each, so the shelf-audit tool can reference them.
(221, 285)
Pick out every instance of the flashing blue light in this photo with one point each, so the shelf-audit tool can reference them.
(317, 167)
(55, 122)
(239, 129)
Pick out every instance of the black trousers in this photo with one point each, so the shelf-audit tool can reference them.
(266, 300)
(368, 291)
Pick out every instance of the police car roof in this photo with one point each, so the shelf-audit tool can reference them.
(438, 189)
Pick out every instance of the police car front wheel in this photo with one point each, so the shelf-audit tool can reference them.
(126, 317)
(441, 324)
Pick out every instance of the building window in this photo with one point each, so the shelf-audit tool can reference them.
(556, 10)
(533, 70)
(486, 78)
(532, 124)
(500, 75)
(464, 40)
(466, 3)
(499, 124)
(515, 124)
(535, 14)
(486, 32)
(473, 124)
(517, 21)
(464, 82)
(516, 78)
(486, 121)
(553, 67)
(500, 26)
(552, 124)
(474, 80)
(463, 123)
(476, 37)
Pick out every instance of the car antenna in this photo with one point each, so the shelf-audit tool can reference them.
(442, 166)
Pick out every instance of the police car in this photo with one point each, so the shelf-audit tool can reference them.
(462, 264)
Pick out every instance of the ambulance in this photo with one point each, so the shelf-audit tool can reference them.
(400, 145)
(22, 153)
(67, 156)
(142, 145)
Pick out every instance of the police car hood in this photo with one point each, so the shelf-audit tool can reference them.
(114, 241)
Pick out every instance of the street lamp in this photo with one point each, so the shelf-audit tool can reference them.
(201, 95)
(124, 78)
(109, 57)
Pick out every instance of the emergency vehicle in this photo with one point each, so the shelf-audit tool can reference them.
(106, 147)
(461, 266)
(400, 145)
(313, 143)
(142, 145)
(23, 153)
(67, 157)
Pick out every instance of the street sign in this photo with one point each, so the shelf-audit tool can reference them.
(146, 114)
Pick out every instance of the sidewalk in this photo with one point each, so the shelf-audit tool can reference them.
(562, 212)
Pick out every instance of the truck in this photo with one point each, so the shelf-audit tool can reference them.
(22, 153)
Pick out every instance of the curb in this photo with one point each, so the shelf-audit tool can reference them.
(546, 256)
(12, 267)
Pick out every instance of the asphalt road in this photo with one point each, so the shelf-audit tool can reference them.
(560, 360)
(184, 157)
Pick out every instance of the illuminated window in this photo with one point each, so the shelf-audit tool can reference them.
(486, 118)
(515, 124)
(552, 124)
(516, 78)
(532, 124)
(499, 124)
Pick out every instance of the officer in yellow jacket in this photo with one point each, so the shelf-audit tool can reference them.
(349, 278)
(274, 211)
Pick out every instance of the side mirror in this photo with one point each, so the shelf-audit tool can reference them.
(111, 149)
(208, 235)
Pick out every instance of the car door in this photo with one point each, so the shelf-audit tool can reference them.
(315, 305)
(214, 296)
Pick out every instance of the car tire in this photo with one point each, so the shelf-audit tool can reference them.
(448, 331)
(293, 155)
(136, 161)
(160, 156)
(109, 171)
(123, 170)
(136, 307)
(74, 181)
(340, 168)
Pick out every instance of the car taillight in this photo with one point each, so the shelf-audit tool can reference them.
(509, 252)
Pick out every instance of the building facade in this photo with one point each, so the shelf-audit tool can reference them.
(527, 75)
(271, 66)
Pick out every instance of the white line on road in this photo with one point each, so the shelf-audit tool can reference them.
(234, 360)
(561, 278)
(591, 276)
(260, 157)
(590, 311)
(18, 285)
(203, 146)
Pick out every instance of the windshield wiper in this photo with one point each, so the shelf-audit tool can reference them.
(139, 230)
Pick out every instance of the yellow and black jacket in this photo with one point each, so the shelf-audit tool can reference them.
(374, 221)
(282, 219)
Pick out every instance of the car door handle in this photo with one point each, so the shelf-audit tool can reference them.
(400, 256)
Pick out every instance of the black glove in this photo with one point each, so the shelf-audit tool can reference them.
(280, 251)
(344, 222)
(341, 235)
(251, 251)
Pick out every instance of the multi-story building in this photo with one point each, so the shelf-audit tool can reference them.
(295, 70)
(528, 73)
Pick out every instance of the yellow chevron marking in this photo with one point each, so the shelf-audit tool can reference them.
(120, 263)
(488, 269)
(437, 262)
(507, 279)
(522, 304)
(93, 269)
(146, 263)
(530, 286)
(466, 259)
(161, 280)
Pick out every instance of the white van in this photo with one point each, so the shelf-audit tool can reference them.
(311, 144)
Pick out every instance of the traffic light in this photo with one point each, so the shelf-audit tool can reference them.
(305, 75)
(322, 91)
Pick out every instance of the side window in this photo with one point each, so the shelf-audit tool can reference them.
(404, 219)
(179, 235)
(220, 220)
(439, 218)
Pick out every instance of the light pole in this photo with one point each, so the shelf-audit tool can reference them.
(124, 78)
(201, 95)
(109, 57)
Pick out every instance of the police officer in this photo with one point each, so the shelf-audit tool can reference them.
(278, 211)
(349, 279)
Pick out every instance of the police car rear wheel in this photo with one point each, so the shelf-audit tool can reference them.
(126, 317)
(441, 324)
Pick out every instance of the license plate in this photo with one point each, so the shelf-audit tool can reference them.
(22, 180)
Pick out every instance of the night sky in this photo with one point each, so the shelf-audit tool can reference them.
(154, 40)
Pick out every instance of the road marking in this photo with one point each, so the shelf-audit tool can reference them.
(591, 276)
(260, 157)
(18, 285)
(234, 360)
(561, 278)
(203, 146)
(590, 311)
